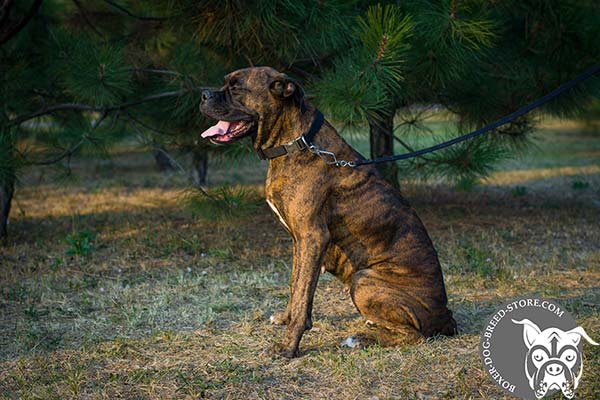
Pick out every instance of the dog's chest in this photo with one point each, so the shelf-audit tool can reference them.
(274, 194)
(278, 214)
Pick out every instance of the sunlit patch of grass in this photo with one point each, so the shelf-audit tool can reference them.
(523, 176)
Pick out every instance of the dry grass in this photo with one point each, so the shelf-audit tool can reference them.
(111, 287)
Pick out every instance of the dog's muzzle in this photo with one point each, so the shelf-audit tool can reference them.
(233, 124)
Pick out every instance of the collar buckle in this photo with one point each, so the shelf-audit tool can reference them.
(261, 154)
(302, 142)
(297, 144)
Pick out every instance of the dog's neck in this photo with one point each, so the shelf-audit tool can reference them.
(287, 125)
(294, 121)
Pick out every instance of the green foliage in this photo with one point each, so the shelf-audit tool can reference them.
(233, 152)
(579, 185)
(475, 259)
(344, 97)
(383, 35)
(80, 243)
(359, 60)
(462, 163)
(273, 32)
(455, 24)
(466, 184)
(519, 191)
(364, 80)
(90, 71)
(589, 115)
(449, 37)
(223, 202)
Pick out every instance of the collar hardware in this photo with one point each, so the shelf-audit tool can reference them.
(302, 142)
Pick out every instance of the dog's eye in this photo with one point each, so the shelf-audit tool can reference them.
(569, 355)
(538, 356)
(236, 89)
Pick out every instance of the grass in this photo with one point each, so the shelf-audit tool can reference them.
(114, 285)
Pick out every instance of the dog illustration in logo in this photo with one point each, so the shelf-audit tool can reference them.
(553, 360)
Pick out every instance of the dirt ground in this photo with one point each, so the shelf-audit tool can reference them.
(114, 286)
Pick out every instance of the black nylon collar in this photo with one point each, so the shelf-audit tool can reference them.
(300, 143)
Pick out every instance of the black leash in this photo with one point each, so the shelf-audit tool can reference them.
(510, 117)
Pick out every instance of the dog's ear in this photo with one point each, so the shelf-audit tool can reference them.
(286, 88)
(530, 331)
(576, 334)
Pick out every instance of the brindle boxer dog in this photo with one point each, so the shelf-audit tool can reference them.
(347, 221)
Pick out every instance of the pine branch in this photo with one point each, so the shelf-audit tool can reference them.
(87, 107)
(403, 144)
(381, 52)
(12, 31)
(145, 125)
(49, 110)
(70, 151)
(5, 9)
(378, 57)
(87, 19)
(125, 11)
(158, 71)
(454, 9)
(148, 142)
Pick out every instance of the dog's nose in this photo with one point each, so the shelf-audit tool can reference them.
(554, 369)
(206, 94)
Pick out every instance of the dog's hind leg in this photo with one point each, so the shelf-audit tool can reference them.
(404, 308)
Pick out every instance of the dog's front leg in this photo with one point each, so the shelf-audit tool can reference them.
(308, 254)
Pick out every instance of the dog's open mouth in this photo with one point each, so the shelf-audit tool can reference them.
(227, 131)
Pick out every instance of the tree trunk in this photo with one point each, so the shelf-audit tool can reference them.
(381, 136)
(6, 194)
(199, 166)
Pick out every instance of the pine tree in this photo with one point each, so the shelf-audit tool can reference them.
(80, 75)
(77, 74)
(479, 60)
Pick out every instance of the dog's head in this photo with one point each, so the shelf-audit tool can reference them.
(553, 360)
(250, 103)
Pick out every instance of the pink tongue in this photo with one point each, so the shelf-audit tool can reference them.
(219, 129)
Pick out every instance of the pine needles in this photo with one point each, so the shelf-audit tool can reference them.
(361, 62)
(364, 80)
(92, 73)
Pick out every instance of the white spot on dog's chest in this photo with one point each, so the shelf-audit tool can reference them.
(276, 211)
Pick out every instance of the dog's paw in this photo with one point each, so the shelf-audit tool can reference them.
(567, 389)
(279, 350)
(542, 389)
(279, 318)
